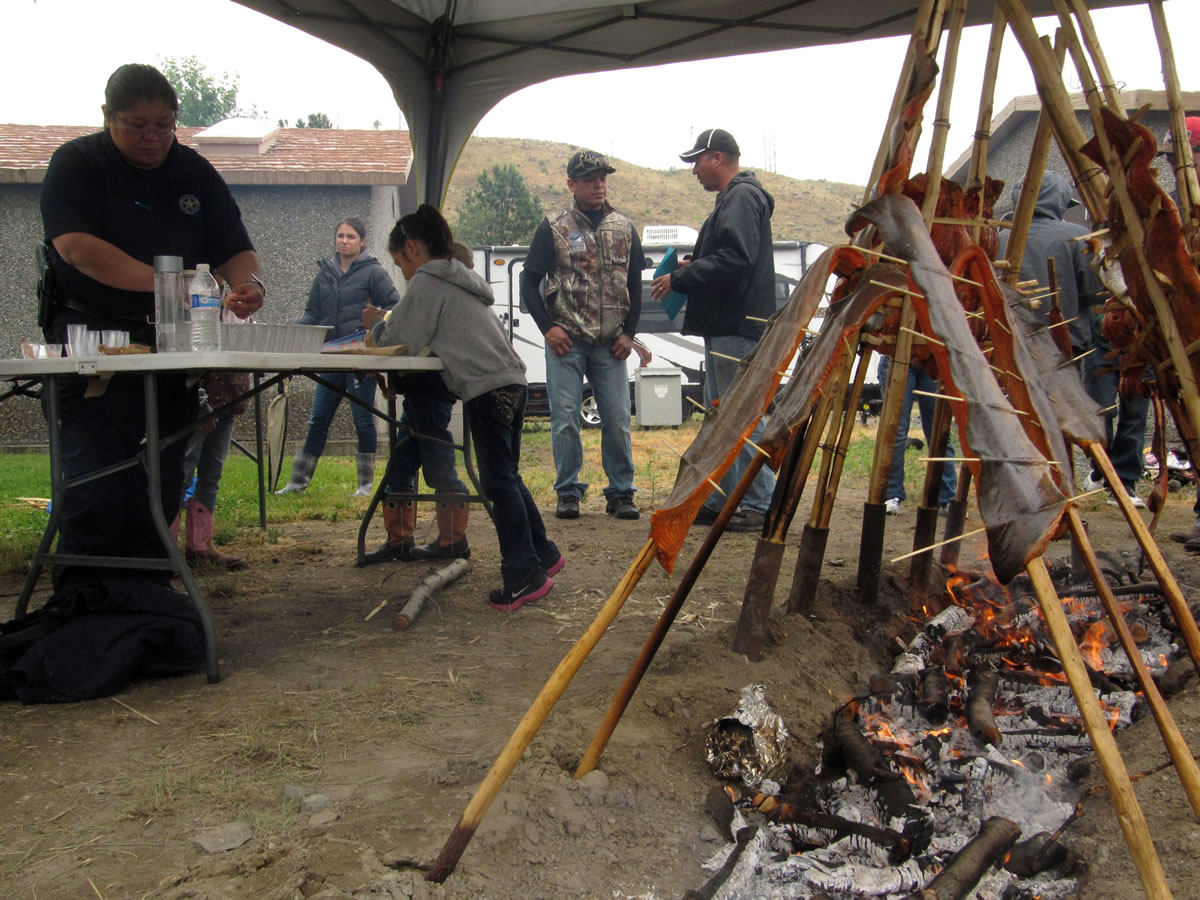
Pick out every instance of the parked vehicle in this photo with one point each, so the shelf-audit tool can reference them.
(659, 335)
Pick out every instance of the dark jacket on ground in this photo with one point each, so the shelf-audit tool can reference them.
(336, 298)
(732, 272)
(1079, 287)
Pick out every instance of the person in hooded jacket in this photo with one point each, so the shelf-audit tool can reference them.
(730, 289)
(344, 286)
(447, 308)
(1079, 291)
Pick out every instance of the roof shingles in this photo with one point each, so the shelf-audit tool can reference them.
(296, 156)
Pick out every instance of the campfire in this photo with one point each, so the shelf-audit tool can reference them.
(962, 764)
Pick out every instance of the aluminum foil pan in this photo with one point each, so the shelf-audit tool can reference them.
(750, 743)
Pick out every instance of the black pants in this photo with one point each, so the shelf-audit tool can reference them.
(111, 515)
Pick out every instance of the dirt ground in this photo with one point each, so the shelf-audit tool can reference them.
(344, 748)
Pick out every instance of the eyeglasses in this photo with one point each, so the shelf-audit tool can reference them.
(139, 131)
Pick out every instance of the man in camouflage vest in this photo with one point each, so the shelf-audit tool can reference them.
(591, 261)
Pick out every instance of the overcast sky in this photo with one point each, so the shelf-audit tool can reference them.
(815, 113)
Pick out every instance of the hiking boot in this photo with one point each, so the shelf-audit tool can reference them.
(892, 506)
(746, 520)
(568, 507)
(535, 587)
(706, 516)
(621, 506)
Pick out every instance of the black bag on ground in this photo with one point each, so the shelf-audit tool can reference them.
(91, 638)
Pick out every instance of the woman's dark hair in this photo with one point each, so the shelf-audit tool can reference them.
(425, 225)
(355, 223)
(134, 82)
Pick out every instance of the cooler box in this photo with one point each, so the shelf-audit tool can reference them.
(658, 396)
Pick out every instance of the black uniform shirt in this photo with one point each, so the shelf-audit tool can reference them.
(182, 208)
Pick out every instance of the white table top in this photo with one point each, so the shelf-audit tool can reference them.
(218, 360)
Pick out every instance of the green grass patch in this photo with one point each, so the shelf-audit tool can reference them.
(329, 499)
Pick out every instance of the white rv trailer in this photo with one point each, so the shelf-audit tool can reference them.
(501, 267)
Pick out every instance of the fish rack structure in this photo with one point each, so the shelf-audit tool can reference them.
(917, 280)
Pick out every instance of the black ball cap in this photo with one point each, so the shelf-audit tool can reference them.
(712, 139)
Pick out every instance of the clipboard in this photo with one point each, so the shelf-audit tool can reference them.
(674, 301)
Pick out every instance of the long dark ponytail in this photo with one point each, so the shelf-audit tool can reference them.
(426, 225)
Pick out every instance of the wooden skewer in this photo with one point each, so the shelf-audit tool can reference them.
(1110, 408)
(898, 290)
(1091, 234)
(975, 459)
(940, 544)
(924, 337)
(920, 393)
(894, 259)
(725, 356)
(1032, 282)
(696, 403)
(756, 447)
(1083, 354)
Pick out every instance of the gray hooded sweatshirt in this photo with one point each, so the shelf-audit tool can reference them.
(447, 308)
(1079, 286)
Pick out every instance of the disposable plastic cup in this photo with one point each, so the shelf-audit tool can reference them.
(76, 340)
(30, 349)
(112, 338)
(50, 351)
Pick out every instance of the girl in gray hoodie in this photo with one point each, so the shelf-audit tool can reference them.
(447, 308)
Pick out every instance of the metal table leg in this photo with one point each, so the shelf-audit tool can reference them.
(178, 563)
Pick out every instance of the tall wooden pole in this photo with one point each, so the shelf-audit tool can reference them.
(1186, 183)
(533, 719)
(1177, 748)
(1129, 812)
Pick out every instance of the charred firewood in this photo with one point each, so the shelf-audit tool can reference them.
(719, 804)
(970, 863)
(933, 700)
(982, 683)
(744, 836)
(1179, 673)
(1039, 853)
(846, 747)
(955, 649)
(899, 847)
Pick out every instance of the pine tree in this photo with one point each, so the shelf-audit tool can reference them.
(499, 211)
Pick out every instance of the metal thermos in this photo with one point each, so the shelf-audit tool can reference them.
(169, 297)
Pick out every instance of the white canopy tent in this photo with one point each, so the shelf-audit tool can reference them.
(450, 61)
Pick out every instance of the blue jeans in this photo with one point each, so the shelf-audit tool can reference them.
(918, 380)
(496, 419)
(205, 459)
(609, 378)
(718, 373)
(325, 404)
(428, 416)
(1127, 441)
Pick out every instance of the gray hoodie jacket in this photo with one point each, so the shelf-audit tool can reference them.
(447, 308)
(1079, 287)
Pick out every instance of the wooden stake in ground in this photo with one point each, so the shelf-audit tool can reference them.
(1177, 748)
(1129, 813)
(533, 719)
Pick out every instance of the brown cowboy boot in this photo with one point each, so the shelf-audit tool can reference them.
(399, 518)
(451, 543)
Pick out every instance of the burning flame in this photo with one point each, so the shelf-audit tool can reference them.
(1095, 639)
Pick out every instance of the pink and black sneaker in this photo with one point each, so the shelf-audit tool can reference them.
(557, 566)
(535, 587)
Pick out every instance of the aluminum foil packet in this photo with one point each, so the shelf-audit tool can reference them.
(748, 744)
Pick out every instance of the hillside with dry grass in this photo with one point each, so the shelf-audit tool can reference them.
(804, 210)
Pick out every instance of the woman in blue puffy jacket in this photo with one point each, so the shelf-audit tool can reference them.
(344, 285)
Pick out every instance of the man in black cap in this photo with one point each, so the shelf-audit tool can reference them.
(730, 288)
(591, 259)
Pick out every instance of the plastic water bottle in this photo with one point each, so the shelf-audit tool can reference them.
(206, 310)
